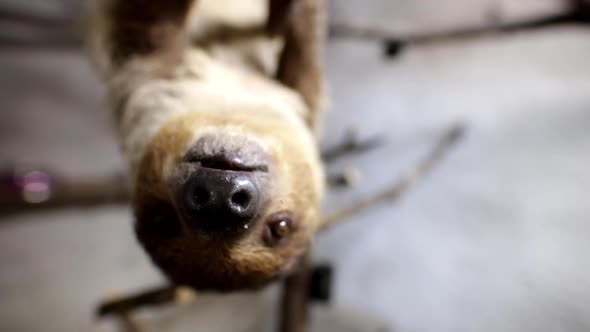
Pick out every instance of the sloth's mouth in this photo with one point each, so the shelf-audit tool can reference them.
(225, 162)
(228, 153)
(232, 163)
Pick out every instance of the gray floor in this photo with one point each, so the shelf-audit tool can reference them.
(493, 240)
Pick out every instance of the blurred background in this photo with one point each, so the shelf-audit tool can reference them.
(494, 239)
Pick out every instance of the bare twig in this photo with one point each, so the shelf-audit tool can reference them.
(152, 298)
(129, 324)
(403, 184)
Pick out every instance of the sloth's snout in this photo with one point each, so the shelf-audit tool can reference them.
(221, 200)
(224, 183)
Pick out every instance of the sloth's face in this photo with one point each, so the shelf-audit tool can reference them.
(226, 201)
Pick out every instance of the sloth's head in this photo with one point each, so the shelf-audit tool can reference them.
(228, 199)
(227, 176)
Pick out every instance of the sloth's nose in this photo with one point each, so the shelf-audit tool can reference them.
(221, 200)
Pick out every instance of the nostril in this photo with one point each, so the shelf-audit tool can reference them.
(241, 199)
(217, 200)
(201, 196)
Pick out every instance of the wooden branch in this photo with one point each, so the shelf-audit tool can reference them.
(403, 184)
(577, 13)
(58, 32)
(31, 189)
(152, 298)
(129, 324)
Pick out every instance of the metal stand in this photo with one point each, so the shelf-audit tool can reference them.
(295, 299)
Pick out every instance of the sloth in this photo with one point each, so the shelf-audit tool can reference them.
(216, 104)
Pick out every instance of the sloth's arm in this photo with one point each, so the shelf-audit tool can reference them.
(303, 23)
(132, 42)
(142, 27)
(122, 30)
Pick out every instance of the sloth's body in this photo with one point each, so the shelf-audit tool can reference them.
(219, 134)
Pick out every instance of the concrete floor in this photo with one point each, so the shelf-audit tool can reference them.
(492, 240)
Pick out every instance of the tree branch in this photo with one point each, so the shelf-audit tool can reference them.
(403, 184)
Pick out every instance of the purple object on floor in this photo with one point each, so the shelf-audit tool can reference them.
(28, 186)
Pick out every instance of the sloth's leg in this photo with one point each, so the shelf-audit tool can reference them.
(303, 24)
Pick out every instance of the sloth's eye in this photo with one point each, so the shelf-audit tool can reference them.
(278, 228)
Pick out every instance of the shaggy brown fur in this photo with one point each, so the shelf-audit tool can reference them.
(143, 27)
(262, 88)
